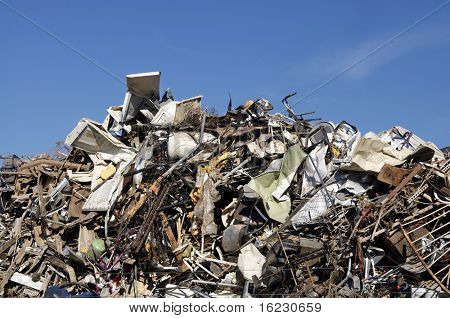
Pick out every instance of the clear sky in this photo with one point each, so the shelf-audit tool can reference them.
(249, 48)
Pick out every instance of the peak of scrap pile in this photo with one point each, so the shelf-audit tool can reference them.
(165, 199)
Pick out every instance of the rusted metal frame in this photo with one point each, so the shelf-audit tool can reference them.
(172, 240)
(365, 211)
(423, 217)
(20, 173)
(437, 238)
(131, 211)
(55, 163)
(287, 259)
(60, 264)
(225, 178)
(8, 244)
(42, 203)
(434, 252)
(150, 217)
(430, 221)
(410, 219)
(442, 269)
(374, 226)
(434, 240)
(6, 276)
(424, 264)
(416, 170)
(37, 259)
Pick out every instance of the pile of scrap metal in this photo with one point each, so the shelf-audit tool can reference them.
(164, 199)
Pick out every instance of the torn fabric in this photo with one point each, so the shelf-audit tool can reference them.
(271, 186)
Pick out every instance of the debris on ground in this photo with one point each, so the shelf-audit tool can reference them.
(164, 199)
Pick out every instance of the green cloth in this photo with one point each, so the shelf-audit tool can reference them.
(271, 186)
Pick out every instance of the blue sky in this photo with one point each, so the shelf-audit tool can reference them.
(249, 48)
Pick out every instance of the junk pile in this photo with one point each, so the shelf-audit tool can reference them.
(164, 199)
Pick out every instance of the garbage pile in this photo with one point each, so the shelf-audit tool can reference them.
(164, 199)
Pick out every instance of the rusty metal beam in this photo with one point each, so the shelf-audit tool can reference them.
(424, 264)
(417, 169)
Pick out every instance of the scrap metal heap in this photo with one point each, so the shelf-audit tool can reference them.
(163, 199)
